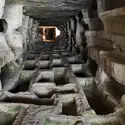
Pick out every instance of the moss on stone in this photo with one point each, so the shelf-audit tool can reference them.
(16, 109)
(56, 122)
(12, 66)
(105, 122)
(15, 1)
(90, 113)
(7, 119)
(8, 115)
(25, 76)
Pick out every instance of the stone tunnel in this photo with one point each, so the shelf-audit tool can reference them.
(62, 62)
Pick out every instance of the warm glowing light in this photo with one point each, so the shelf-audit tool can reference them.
(49, 33)
(44, 37)
(57, 32)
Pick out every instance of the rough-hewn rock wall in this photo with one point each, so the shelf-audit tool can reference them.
(86, 65)
(17, 31)
(104, 27)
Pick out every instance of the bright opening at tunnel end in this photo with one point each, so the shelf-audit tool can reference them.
(49, 33)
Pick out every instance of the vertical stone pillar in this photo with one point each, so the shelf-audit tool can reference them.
(25, 26)
(80, 41)
(72, 21)
(29, 32)
(69, 36)
(91, 18)
(2, 3)
(13, 14)
(24, 31)
(34, 31)
(94, 24)
(73, 31)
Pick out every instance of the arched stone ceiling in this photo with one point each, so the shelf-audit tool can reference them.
(53, 12)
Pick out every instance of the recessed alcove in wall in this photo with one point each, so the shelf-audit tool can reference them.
(23, 86)
(70, 109)
(104, 97)
(79, 74)
(95, 103)
(93, 66)
(3, 25)
(49, 33)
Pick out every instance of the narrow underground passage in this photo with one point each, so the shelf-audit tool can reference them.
(47, 47)
(59, 77)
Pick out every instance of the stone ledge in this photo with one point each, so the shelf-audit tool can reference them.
(117, 38)
(94, 23)
(93, 52)
(112, 13)
(115, 41)
(113, 65)
(114, 20)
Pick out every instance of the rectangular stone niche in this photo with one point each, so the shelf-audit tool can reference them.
(60, 76)
(45, 76)
(45, 57)
(30, 57)
(60, 80)
(23, 82)
(57, 75)
(22, 86)
(110, 93)
(29, 65)
(70, 109)
(95, 102)
(80, 74)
